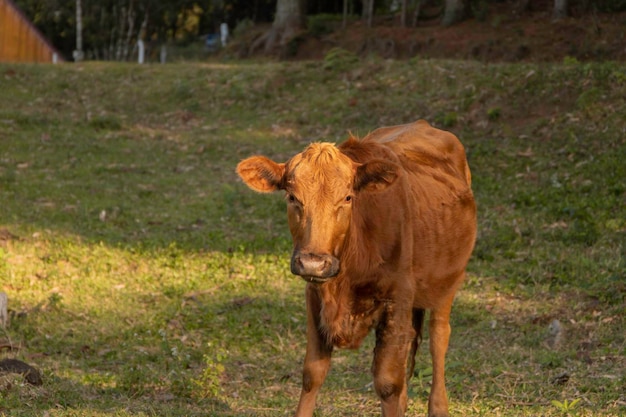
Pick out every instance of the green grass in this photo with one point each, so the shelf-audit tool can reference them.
(144, 279)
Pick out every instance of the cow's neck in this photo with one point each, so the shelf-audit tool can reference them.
(348, 313)
(353, 302)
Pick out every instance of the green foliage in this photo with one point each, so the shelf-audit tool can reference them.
(182, 90)
(293, 44)
(494, 113)
(242, 27)
(609, 6)
(339, 59)
(323, 24)
(588, 98)
(619, 76)
(480, 10)
(447, 119)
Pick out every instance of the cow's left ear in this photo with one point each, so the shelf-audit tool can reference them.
(375, 175)
(261, 173)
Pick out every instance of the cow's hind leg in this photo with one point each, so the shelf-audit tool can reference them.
(418, 321)
(439, 329)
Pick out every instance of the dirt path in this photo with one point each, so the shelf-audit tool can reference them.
(502, 36)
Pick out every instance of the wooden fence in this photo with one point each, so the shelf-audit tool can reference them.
(20, 41)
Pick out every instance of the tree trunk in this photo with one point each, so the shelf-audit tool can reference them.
(454, 12)
(119, 48)
(560, 9)
(78, 53)
(129, 33)
(288, 21)
(416, 12)
(368, 12)
(403, 13)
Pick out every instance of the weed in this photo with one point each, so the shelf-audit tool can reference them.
(494, 113)
(570, 60)
(446, 120)
(208, 384)
(566, 407)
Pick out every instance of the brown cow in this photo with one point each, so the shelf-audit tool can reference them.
(382, 230)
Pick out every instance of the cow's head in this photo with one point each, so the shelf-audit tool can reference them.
(322, 184)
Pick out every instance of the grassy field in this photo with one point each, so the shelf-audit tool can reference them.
(144, 279)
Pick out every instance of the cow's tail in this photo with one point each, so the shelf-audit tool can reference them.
(418, 321)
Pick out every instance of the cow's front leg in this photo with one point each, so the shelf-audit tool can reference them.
(394, 336)
(439, 330)
(317, 359)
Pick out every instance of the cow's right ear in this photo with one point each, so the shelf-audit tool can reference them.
(375, 175)
(261, 173)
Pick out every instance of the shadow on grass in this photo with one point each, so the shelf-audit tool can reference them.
(179, 354)
(242, 345)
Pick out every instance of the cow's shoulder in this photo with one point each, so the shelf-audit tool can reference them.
(420, 146)
(418, 136)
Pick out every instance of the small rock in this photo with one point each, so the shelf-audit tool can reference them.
(561, 378)
(15, 366)
(555, 334)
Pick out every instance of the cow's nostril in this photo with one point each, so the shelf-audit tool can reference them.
(314, 265)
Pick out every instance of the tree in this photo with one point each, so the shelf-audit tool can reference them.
(368, 11)
(78, 52)
(454, 12)
(416, 11)
(288, 22)
(560, 9)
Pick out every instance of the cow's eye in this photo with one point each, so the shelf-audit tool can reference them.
(291, 198)
(348, 199)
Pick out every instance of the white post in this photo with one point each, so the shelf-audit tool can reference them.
(560, 9)
(224, 33)
(163, 54)
(141, 51)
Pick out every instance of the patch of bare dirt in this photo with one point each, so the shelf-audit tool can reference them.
(502, 36)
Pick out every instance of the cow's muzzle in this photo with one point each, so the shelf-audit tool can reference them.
(313, 267)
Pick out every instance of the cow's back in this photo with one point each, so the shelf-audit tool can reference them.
(441, 200)
(422, 144)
